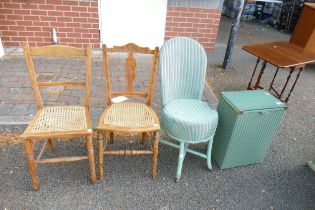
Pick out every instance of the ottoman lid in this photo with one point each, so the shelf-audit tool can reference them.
(249, 100)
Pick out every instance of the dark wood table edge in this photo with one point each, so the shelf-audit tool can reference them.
(299, 65)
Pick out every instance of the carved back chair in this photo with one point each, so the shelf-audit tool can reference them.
(128, 117)
(51, 122)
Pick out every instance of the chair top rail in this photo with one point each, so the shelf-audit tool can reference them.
(58, 51)
(130, 47)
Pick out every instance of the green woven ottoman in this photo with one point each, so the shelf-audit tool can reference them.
(248, 121)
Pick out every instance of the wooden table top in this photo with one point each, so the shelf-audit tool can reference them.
(281, 54)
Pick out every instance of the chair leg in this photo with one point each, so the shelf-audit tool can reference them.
(181, 157)
(89, 144)
(143, 137)
(155, 153)
(31, 163)
(111, 137)
(209, 155)
(100, 157)
(50, 145)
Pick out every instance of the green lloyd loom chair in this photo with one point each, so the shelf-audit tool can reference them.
(185, 118)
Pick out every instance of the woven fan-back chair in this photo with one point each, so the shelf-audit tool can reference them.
(128, 117)
(51, 122)
(185, 118)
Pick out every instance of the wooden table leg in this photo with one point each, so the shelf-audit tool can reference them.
(155, 153)
(286, 83)
(89, 144)
(296, 79)
(263, 66)
(31, 163)
(253, 74)
(273, 79)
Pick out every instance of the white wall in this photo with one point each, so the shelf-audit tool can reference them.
(1, 49)
(139, 21)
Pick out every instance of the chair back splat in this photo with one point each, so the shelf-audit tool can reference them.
(130, 71)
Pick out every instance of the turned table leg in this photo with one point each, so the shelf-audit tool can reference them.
(263, 66)
(296, 79)
(253, 74)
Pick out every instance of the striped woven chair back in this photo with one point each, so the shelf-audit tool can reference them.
(182, 67)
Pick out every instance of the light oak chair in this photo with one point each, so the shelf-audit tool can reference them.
(128, 117)
(58, 121)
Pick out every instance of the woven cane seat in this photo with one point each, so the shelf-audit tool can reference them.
(129, 116)
(58, 119)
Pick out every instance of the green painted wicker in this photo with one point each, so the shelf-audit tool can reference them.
(185, 118)
(182, 65)
(311, 164)
(189, 120)
(248, 121)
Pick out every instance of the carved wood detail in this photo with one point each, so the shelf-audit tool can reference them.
(131, 47)
(130, 73)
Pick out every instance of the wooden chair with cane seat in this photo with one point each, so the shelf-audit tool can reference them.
(128, 117)
(53, 122)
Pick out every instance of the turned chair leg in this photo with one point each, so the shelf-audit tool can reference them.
(143, 137)
(50, 145)
(100, 157)
(209, 155)
(31, 163)
(89, 144)
(181, 157)
(155, 153)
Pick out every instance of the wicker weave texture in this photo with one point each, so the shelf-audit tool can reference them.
(60, 118)
(185, 118)
(182, 67)
(244, 137)
(189, 120)
(129, 114)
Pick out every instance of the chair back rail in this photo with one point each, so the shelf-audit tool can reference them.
(58, 51)
(130, 71)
